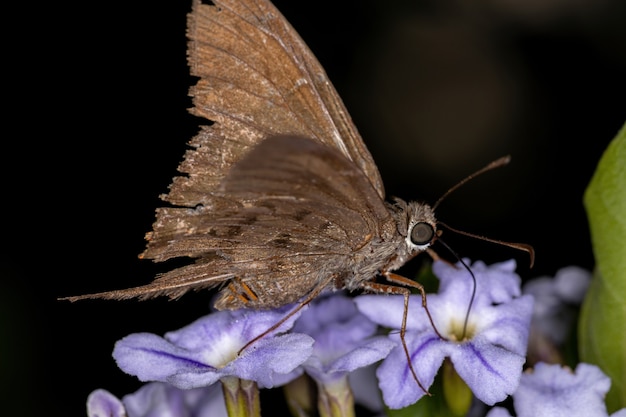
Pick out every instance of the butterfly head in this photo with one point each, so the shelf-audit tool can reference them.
(417, 225)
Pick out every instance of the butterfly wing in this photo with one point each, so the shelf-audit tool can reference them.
(257, 79)
(299, 211)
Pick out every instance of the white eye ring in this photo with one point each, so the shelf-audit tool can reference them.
(420, 235)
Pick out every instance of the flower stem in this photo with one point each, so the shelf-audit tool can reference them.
(336, 399)
(457, 394)
(241, 397)
(300, 395)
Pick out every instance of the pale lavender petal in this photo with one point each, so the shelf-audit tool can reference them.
(491, 372)
(203, 352)
(343, 337)
(553, 316)
(507, 325)
(158, 399)
(394, 376)
(101, 403)
(366, 354)
(335, 324)
(497, 283)
(365, 388)
(152, 358)
(491, 362)
(230, 327)
(571, 283)
(550, 390)
(498, 412)
(387, 311)
(273, 361)
(547, 301)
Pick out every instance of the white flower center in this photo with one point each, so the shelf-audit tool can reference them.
(223, 351)
(459, 332)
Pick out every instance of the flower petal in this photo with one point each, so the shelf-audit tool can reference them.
(491, 372)
(343, 337)
(498, 412)
(335, 324)
(507, 325)
(208, 349)
(152, 358)
(571, 283)
(491, 363)
(366, 354)
(273, 361)
(551, 390)
(394, 376)
(101, 403)
(365, 388)
(553, 317)
(387, 311)
(158, 399)
(496, 283)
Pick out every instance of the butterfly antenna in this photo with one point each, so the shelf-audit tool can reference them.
(469, 306)
(520, 246)
(492, 165)
(515, 245)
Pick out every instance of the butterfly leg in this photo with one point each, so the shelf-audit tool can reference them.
(309, 297)
(392, 289)
(241, 291)
(405, 282)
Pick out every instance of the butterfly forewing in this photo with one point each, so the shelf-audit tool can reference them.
(257, 79)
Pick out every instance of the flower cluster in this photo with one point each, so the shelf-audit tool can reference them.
(336, 338)
(554, 312)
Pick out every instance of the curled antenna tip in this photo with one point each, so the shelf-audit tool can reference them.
(502, 161)
(492, 165)
(531, 253)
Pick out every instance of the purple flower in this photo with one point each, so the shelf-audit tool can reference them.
(344, 338)
(553, 297)
(498, 412)
(488, 354)
(201, 353)
(365, 389)
(553, 391)
(345, 341)
(158, 399)
(101, 403)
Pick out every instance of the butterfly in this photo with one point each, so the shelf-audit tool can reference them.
(280, 198)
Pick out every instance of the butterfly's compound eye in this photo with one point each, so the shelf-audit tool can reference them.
(422, 233)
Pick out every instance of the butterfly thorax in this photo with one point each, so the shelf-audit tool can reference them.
(410, 231)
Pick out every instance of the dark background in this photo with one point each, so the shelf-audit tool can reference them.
(437, 89)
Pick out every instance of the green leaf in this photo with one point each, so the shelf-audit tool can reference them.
(602, 326)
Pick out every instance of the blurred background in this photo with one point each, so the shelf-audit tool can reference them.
(436, 88)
